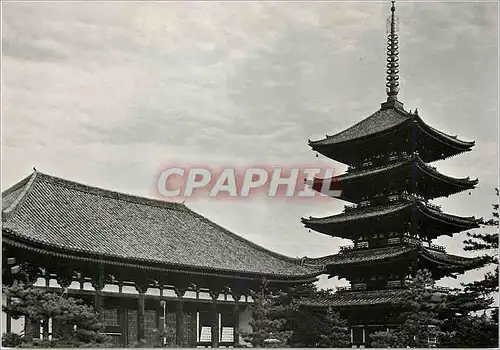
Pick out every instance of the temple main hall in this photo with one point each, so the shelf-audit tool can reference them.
(147, 266)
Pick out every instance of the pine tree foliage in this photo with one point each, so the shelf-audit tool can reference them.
(385, 339)
(37, 305)
(420, 323)
(335, 332)
(487, 243)
(316, 328)
(468, 331)
(466, 327)
(268, 319)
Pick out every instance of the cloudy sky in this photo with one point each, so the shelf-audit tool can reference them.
(109, 93)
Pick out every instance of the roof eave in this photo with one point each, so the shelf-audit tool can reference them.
(10, 238)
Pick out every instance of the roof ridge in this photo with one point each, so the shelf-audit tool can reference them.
(403, 161)
(452, 216)
(366, 292)
(431, 169)
(401, 248)
(244, 240)
(442, 133)
(400, 111)
(99, 191)
(27, 183)
(369, 209)
(379, 168)
(444, 253)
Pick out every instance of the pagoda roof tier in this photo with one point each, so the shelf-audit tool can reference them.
(410, 174)
(60, 217)
(438, 261)
(391, 128)
(403, 216)
(356, 299)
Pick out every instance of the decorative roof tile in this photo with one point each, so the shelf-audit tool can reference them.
(359, 183)
(383, 120)
(452, 260)
(361, 213)
(53, 212)
(382, 210)
(367, 256)
(409, 160)
(379, 121)
(362, 256)
(362, 298)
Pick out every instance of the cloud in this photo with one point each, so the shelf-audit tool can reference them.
(108, 93)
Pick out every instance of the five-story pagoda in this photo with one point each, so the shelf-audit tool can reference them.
(392, 222)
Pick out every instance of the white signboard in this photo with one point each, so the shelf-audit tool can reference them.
(206, 335)
(227, 335)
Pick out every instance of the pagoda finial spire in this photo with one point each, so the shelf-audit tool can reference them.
(392, 85)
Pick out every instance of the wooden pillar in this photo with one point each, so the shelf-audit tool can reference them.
(179, 323)
(31, 327)
(122, 319)
(236, 319)
(179, 316)
(98, 282)
(141, 305)
(98, 302)
(215, 320)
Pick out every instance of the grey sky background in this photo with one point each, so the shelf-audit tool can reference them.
(109, 93)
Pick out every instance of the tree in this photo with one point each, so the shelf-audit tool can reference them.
(74, 323)
(316, 328)
(385, 339)
(268, 322)
(487, 243)
(335, 331)
(419, 321)
(470, 331)
(466, 327)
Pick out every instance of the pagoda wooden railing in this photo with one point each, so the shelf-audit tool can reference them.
(350, 207)
(347, 247)
(391, 284)
(393, 241)
(359, 245)
(434, 206)
(393, 157)
(395, 284)
(394, 198)
(352, 288)
(410, 240)
(437, 247)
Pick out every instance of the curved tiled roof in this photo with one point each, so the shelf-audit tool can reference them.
(374, 255)
(362, 256)
(381, 120)
(67, 216)
(452, 260)
(358, 183)
(361, 298)
(382, 210)
(453, 139)
(371, 171)
(362, 213)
